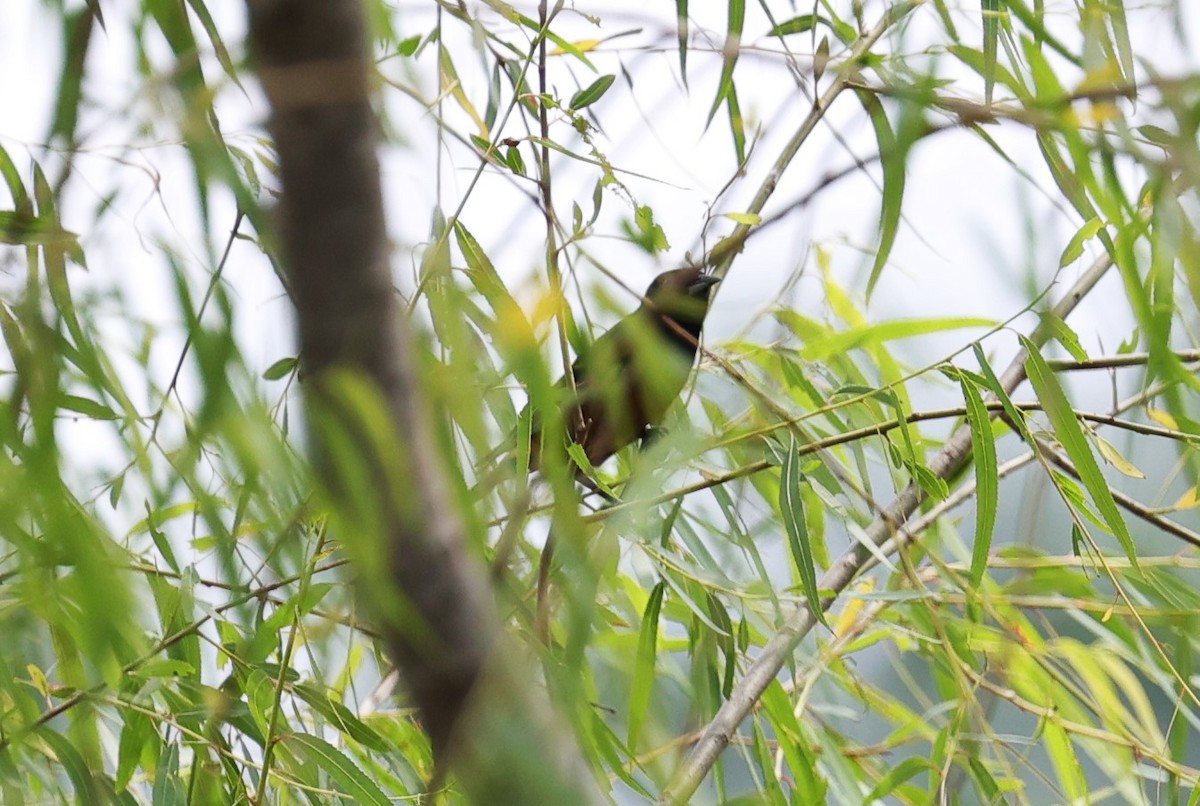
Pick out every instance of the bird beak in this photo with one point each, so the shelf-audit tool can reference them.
(699, 287)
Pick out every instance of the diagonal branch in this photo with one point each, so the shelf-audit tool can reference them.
(952, 458)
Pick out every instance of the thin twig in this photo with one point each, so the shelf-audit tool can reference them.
(767, 665)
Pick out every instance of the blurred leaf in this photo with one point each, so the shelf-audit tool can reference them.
(77, 35)
(642, 686)
(86, 407)
(899, 774)
(281, 368)
(991, 11)
(749, 219)
(645, 231)
(350, 779)
(681, 36)
(341, 717)
(870, 334)
(735, 19)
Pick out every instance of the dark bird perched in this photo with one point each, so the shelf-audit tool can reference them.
(631, 375)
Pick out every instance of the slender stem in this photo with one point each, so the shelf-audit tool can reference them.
(767, 665)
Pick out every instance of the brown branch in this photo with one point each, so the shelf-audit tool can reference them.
(375, 445)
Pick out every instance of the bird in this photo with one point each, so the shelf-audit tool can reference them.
(629, 377)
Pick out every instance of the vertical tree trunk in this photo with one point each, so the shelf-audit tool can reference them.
(476, 702)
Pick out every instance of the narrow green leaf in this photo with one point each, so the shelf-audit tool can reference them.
(1070, 435)
(991, 35)
(737, 124)
(341, 717)
(592, 93)
(1120, 29)
(169, 789)
(136, 736)
(791, 508)
(899, 774)
(681, 33)
(77, 36)
(643, 669)
(1011, 413)
(796, 25)
(281, 368)
(893, 153)
(819, 348)
(731, 50)
(200, 9)
(86, 407)
(1065, 336)
(1075, 245)
(80, 775)
(1156, 134)
(512, 156)
(349, 778)
(987, 481)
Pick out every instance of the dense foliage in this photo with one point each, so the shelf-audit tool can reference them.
(980, 478)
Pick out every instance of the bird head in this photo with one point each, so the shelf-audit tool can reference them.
(682, 294)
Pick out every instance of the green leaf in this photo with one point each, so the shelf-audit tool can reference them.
(408, 47)
(1070, 435)
(791, 508)
(737, 124)
(350, 780)
(867, 335)
(87, 789)
(1075, 245)
(796, 25)
(987, 481)
(86, 407)
(643, 669)
(341, 717)
(169, 789)
(899, 774)
(990, 10)
(281, 368)
(1157, 135)
(76, 37)
(592, 93)
(1064, 335)
(200, 9)
(893, 154)
(681, 34)
(735, 19)
(163, 667)
(1011, 412)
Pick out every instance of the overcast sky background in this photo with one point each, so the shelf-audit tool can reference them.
(964, 247)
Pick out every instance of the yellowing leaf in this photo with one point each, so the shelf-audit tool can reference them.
(1114, 458)
(749, 219)
(850, 612)
(1162, 418)
(1188, 500)
(582, 46)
